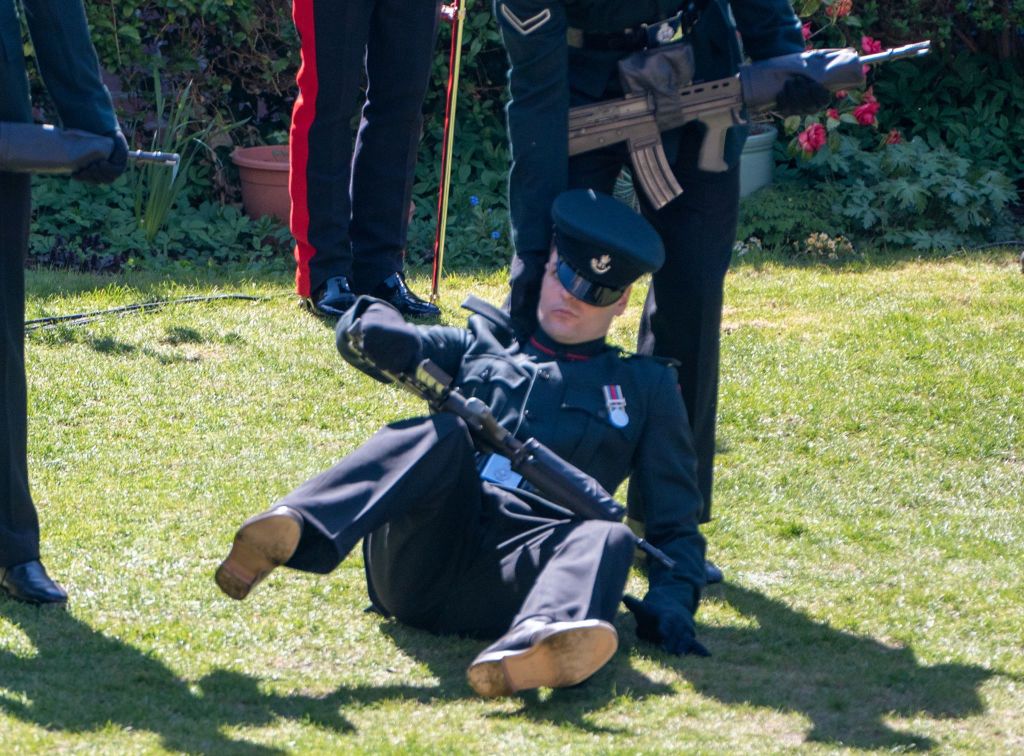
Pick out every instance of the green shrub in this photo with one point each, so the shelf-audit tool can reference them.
(67, 215)
(973, 104)
(907, 194)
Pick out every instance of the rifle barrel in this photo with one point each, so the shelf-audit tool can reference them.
(915, 50)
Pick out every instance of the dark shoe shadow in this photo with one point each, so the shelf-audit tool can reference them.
(75, 679)
(847, 685)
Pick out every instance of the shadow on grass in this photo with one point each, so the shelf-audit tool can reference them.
(78, 680)
(847, 685)
(448, 659)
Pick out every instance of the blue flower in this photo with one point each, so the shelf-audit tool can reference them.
(474, 200)
(495, 234)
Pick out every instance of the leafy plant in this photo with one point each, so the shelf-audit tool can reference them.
(156, 187)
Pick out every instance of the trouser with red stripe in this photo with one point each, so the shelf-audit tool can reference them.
(350, 206)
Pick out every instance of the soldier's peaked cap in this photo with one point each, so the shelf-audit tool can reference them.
(603, 246)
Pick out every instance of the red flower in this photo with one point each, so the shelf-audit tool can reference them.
(839, 8)
(870, 45)
(865, 113)
(832, 113)
(893, 137)
(812, 138)
(806, 29)
(841, 94)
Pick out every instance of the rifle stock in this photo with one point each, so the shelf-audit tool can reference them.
(718, 104)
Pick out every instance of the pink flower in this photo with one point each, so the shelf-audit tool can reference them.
(806, 29)
(839, 8)
(841, 94)
(865, 113)
(870, 45)
(812, 138)
(893, 137)
(869, 95)
(832, 113)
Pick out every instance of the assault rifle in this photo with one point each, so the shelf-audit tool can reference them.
(641, 116)
(42, 148)
(551, 476)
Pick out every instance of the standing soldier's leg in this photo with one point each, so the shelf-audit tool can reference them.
(398, 63)
(19, 525)
(333, 36)
(683, 312)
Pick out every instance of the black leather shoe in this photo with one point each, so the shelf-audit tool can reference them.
(541, 654)
(29, 582)
(333, 297)
(712, 574)
(396, 293)
(263, 543)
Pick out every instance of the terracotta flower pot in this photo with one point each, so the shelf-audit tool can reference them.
(263, 172)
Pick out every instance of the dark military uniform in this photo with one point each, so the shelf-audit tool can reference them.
(69, 67)
(350, 209)
(451, 553)
(682, 315)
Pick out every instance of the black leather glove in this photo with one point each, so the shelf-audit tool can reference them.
(388, 341)
(668, 627)
(802, 95)
(109, 168)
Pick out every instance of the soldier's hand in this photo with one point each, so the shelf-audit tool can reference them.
(802, 95)
(388, 341)
(668, 627)
(109, 168)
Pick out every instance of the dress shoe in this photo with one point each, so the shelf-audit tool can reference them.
(539, 653)
(712, 574)
(396, 293)
(333, 297)
(263, 543)
(29, 582)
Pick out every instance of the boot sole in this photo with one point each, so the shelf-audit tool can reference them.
(262, 544)
(569, 654)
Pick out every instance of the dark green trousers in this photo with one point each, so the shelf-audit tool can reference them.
(19, 524)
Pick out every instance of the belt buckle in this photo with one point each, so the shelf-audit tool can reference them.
(664, 32)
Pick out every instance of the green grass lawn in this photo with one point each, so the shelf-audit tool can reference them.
(868, 517)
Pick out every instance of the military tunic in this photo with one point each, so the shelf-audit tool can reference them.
(67, 61)
(474, 557)
(682, 315)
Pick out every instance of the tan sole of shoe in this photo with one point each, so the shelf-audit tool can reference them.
(261, 545)
(562, 659)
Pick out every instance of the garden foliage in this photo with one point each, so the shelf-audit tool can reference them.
(238, 58)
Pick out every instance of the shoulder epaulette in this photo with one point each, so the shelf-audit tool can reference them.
(492, 314)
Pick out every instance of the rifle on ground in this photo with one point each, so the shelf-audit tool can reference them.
(553, 478)
(641, 116)
(43, 148)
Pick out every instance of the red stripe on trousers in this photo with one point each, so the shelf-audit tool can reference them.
(302, 120)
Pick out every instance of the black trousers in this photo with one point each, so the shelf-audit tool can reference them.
(350, 209)
(451, 554)
(19, 523)
(682, 316)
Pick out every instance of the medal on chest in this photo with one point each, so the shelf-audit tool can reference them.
(616, 404)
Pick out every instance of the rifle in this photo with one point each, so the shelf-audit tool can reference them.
(554, 478)
(718, 104)
(43, 148)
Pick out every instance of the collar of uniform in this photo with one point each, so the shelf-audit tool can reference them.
(543, 345)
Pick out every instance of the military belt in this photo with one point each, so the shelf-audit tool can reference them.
(644, 36)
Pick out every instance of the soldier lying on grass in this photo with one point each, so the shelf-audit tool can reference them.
(453, 542)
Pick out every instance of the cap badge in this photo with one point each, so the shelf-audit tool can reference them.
(616, 405)
(601, 265)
